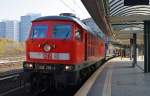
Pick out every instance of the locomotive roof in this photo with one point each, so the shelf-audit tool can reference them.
(65, 18)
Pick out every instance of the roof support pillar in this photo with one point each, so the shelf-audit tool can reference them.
(146, 46)
(134, 51)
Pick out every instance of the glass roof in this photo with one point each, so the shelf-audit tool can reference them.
(117, 8)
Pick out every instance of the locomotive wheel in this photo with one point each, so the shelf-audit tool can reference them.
(32, 84)
(36, 85)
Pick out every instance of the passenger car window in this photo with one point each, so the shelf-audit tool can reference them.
(62, 31)
(39, 31)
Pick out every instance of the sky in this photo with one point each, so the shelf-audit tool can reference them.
(13, 9)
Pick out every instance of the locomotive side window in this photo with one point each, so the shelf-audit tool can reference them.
(78, 35)
(39, 31)
(62, 31)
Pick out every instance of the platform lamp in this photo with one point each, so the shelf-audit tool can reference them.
(135, 2)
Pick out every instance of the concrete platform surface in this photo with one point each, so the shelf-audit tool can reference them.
(119, 78)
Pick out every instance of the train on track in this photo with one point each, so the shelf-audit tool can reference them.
(61, 50)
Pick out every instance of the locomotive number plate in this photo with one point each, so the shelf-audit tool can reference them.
(47, 56)
(40, 55)
(50, 56)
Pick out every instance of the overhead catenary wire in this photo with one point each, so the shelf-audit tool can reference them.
(80, 9)
(67, 6)
(72, 8)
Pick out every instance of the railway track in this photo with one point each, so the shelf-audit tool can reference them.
(11, 65)
(10, 73)
(9, 77)
(15, 88)
(10, 81)
(6, 93)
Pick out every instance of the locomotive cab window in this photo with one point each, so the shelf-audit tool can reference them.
(78, 35)
(62, 31)
(39, 31)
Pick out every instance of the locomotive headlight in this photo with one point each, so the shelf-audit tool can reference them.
(28, 65)
(47, 47)
(68, 68)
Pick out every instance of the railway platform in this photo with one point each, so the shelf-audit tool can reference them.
(117, 78)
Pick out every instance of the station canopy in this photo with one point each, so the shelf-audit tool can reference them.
(122, 21)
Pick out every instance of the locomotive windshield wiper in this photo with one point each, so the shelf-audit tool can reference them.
(66, 36)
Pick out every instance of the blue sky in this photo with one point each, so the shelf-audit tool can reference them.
(13, 9)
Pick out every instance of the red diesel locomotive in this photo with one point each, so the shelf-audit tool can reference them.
(61, 49)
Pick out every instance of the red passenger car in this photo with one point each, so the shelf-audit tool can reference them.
(61, 49)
